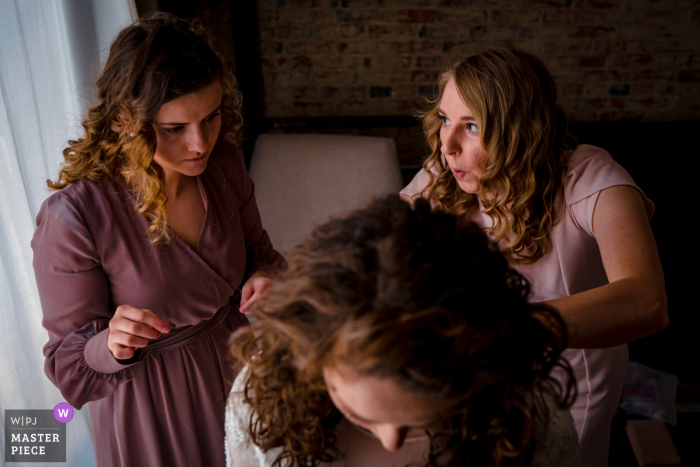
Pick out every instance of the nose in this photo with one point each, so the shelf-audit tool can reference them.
(450, 145)
(199, 139)
(391, 437)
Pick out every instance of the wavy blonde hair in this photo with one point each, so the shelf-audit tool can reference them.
(418, 297)
(525, 133)
(154, 60)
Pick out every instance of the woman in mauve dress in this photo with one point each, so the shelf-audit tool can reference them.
(568, 217)
(148, 248)
(399, 337)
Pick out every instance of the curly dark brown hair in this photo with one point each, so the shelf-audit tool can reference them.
(416, 296)
(156, 59)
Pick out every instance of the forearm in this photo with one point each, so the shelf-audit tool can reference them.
(613, 314)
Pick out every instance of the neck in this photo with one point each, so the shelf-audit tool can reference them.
(175, 182)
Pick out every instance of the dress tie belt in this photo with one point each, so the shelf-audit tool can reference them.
(180, 337)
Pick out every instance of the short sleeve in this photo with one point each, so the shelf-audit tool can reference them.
(590, 171)
(74, 295)
(419, 182)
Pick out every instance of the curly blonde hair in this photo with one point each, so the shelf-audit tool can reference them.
(525, 133)
(154, 60)
(415, 296)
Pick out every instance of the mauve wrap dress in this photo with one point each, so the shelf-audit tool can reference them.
(92, 254)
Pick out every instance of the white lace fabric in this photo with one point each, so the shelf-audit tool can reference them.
(559, 447)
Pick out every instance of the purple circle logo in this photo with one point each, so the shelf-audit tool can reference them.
(63, 412)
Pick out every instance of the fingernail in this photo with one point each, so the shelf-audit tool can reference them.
(165, 329)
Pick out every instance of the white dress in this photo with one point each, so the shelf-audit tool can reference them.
(558, 449)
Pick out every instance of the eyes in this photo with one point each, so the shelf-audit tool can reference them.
(472, 128)
(179, 128)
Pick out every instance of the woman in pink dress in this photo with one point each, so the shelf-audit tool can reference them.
(568, 217)
(141, 253)
(399, 337)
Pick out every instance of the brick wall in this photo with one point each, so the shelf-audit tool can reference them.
(613, 60)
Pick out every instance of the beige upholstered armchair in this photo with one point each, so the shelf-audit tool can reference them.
(302, 180)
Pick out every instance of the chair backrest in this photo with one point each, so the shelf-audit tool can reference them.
(303, 180)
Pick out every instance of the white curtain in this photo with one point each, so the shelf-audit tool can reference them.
(51, 52)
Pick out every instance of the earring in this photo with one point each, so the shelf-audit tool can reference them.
(131, 134)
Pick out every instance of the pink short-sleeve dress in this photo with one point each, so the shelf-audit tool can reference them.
(574, 265)
(164, 407)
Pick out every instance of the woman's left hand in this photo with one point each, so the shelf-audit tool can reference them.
(253, 288)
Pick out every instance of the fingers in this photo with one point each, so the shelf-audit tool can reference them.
(131, 328)
(143, 317)
(121, 352)
(124, 339)
(246, 292)
(245, 305)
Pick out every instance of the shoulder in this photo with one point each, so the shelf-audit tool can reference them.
(84, 196)
(591, 169)
(71, 204)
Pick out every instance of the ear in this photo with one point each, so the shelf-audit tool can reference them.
(129, 129)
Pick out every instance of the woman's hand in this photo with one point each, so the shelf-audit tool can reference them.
(253, 288)
(131, 328)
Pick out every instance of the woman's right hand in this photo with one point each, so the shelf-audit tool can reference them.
(131, 328)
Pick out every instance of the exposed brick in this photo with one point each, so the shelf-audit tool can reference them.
(602, 104)
(420, 76)
(393, 62)
(673, 16)
(416, 16)
(631, 60)
(596, 89)
(465, 18)
(593, 31)
(563, 15)
(655, 75)
(603, 76)
(600, 17)
(689, 75)
(571, 89)
(611, 59)
(519, 17)
(621, 116)
(380, 31)
(586, 61)
(600, 4)
(286, 32)
(495, 33)
(304, 16)
(619, 90)
(407, 47)
(362, 16)
(332, 32)
(434, 62)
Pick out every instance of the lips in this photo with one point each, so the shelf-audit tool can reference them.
(459, 174)
(196, 159)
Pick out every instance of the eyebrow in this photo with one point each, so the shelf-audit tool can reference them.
(183, 124)
(463, 119)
